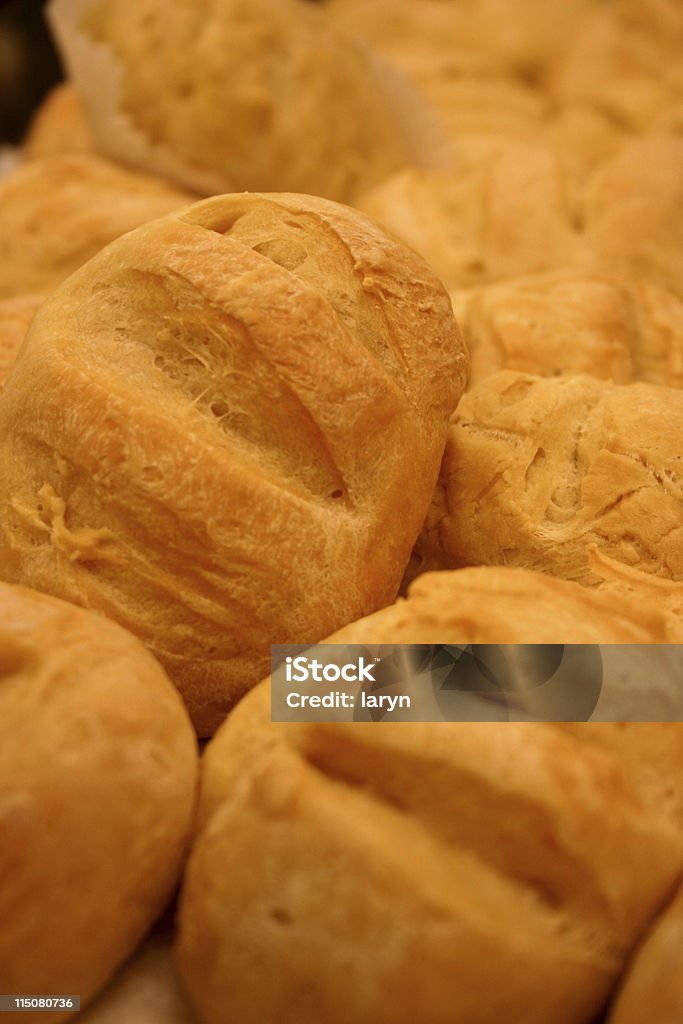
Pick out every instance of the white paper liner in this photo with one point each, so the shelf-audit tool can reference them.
(98, 76)
(146, 990)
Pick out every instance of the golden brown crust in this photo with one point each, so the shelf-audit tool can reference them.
(538, 470)
(651, 754)
(98, 767)
(57, 212)
(409, 863)
(234, 404)
(502, 604)
(574, 321)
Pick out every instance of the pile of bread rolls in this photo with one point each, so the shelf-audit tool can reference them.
(357, 322)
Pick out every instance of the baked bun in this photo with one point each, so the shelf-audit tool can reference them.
(401, 872)
(58, 126)
(98, 767)
(497, 213)
(574, 321)
(653, 985)
(243, 410)
(501, 604)
(538, 469)
(57, 212)
(223, 97)
(16, 314)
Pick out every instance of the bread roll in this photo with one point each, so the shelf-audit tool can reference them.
(494, 215)
(242, 413)
(653, 985)
(573, 321)
(222, 97)
(441, 873)
(501, 604)
(57, 212)
(504, 605)
(538, 469)
(98, 767)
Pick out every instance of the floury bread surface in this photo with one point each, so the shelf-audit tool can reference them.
(98, 774)
(414, 872)
(225, 430)
(539, 471)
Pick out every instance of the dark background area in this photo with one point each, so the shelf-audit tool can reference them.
(29, 65)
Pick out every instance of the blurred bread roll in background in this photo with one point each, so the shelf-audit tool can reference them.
(493, 215)
(511, 209)
(98, 773)
(57, 212)
(623, 58)
(518, 37)
(266, 96)
(633, 213)
(243, 409)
